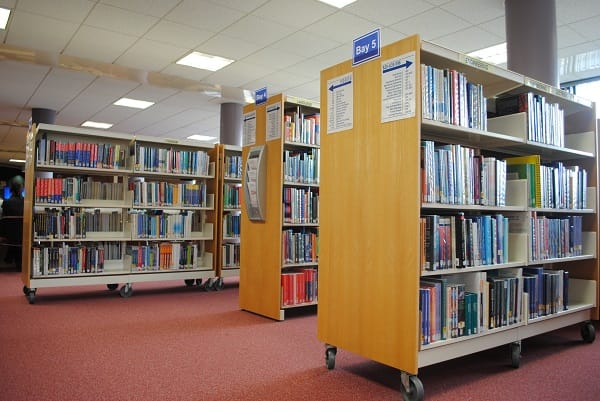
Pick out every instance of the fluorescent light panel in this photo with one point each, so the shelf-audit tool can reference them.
(94, 124)
(204, 61)
(337, 3)
(202, 137)
(16, 160)
(494, 54)
(4, 14)
(136, 104)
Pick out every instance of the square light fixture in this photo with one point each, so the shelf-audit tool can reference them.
(205, 138)
(136, 104)
(4, 14)
(494, 54)
(94, 124)
(16, 160)
(337, 3)
(204, 61)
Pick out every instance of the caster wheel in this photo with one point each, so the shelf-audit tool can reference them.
(515, 355)
(189, 282)
(126, 291)
(199, 282)
(415, 391)
(330, 358)
(112, 287)
(588, 332)
(218, 284)
(25, 290)
(209, 285)
(31, 296)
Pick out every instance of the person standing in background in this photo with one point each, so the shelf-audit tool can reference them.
(12, 208)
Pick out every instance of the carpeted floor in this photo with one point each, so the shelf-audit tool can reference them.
(169, 342)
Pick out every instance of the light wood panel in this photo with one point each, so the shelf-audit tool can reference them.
(28, 206)
(369, 223)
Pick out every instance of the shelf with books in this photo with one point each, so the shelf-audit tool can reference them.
(437, 161)
(88, 207)
(284, 245)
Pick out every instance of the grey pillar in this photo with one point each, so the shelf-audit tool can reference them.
(531, 39)
(46, 116)
(231, 124)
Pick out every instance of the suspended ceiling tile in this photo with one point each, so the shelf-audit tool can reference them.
(64, 10)
(187, 99)
(37, 32)
(468, 40)
(578, 49)
(9, 113)
(204, 15)
(387, 12)
(228, 47)
(496, 26)
(119, 20)
(305, 12)
(176, 121)
(148, 55)
(147, 7)
(433, 23)
(341, 27)
(588, 28)
(476, 11)
(567, 36)
(237, 74)
(179, 35)
(258, 30)
(305, 44)
(275, 59)
(145, 118)
(242, 5)
(19, 81)
(576, 10)
(151, 93)
(309, 90)
(389, 35)
(59, 87)
(114, 114)
(187, 72)
(85, 44)
(285, 80)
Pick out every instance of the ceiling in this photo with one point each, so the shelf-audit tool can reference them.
(79, 56)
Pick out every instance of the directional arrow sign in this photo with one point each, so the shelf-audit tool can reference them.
(340, 104)
(273, 121)
(398, 96)
(334, 87)
(397, 67)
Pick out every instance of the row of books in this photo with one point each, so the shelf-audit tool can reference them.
(300, 205)
(75, 189)
(302, 128)
(447, 96)
(156, 224)
(455, 174)
(58, 152)
(161, 193)
(459, 241)
(563, 187)
(233, 166)
(232, 194)
(165, 256)
(299, 287)
(231, 255)
(555, 237)
(67, 259)
(74, 222)
(299, 247)
(231, 225)
(548, 290)
(301, 166)
(173, 161)
(545, 120)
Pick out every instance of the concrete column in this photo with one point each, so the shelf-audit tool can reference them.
(231, 124)
(531, 39)
(46, 116)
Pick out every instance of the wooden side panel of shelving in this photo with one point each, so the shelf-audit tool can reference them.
(260, 255)
(28, 206)
(214, 186)
(369, 222)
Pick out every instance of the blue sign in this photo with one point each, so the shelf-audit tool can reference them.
(367, 47)
(260, 96)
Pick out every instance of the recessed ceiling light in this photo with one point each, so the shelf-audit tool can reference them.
(205, 138)
(136, 104)
(493, 54)
(337, 3)
(4, 14)
(204, 61)
(94, 124)
(16, 160)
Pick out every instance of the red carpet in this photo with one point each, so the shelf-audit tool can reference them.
(169, 342)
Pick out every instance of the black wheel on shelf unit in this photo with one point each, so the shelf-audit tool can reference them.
(330, 353)
(112, 286)
(25, 290)
(126, 291)
(416, 391)
(218, 284)
(31, 296)
(189, 282)
(588, 332)
(515, 355)
(208, 284)
(199, 282)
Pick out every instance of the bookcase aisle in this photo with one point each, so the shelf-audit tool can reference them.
(279, 253)
(108, 208)
(466, 194)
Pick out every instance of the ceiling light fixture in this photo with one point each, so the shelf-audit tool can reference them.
(205, 138)
(94, 124)
(337, 3)
(136, 104)
(494, 54)
(204, 61)
(4, 14)
(16, 160)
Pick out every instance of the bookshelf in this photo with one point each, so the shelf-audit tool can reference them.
(379, 204)
(109, 208)
(230, 210)
(279, 253)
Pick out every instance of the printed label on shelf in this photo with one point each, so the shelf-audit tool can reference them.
(274, 121)
(340, 103)
(398, 88)
(249, 134)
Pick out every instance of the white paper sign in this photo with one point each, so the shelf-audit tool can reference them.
(249, 134)
(340, 103)
(398, 96)
(274, 121)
